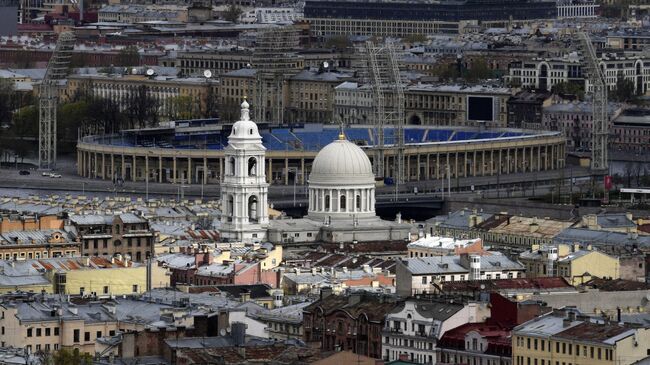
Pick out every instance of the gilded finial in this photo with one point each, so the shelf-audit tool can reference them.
(341, 134)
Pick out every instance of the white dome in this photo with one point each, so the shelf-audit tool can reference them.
(245, 128)
(341, 162)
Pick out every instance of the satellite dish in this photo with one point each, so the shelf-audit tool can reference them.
(326, 64)
(207, 74)
(248, 65)
(150, 72)
(222, 332)
(134, 71)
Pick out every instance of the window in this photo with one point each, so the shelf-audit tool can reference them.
(528, 343)
(599, 353)
(39, 332)
(135, 288)
(105, 289)
(99, 334)
(56, 331)
(2, 331)
(424, 280)
(75, 335)
(48, 331)
(86, 336)
(30, 332)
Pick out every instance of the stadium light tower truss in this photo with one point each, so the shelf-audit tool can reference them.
(599, 133)
(57, 70)
(387, 85)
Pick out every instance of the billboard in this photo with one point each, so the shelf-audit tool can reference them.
(480, 108)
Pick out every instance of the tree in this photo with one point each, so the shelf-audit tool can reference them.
(339, 42)
(128, 56)
(232, 13)
(7, 99)
(74, 357)
(415, 38)
(182, 107)
(624, 90)
(569, 88)
(210, 104)
(141, 108)
(479, 70)
(445, 71)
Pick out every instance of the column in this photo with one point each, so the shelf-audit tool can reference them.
(160, 170)
(146, 168)
(112, 167)
(95, 166)
(174, 170)
(103, 166)
(269, 176)
(516, 162)
(286, 171)
(483, 163)
(428, 171)
(456, 164)
(205, 170)
(189, 170)
(302, 171)
(123, 168)
(133, 169)
(437, 166)
(474, 163)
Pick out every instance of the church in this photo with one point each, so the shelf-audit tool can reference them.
(341, 195)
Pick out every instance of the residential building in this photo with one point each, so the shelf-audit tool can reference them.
(629, 39)
(86, 276)
(519, 289)
(125, 234)
(476, 343)
(576, 265)
(525, 108)
(428, 246)
(348, 323)
(415, 326)
(36, 244)
(423, 274)
(10, 223)
(506, 230)
(567, 336)
(544, 73)
(631, 130)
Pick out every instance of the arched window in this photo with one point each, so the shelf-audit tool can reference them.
(327, 203)
(358, 202)
(231, 166)
(252, 166)
(342, 202)
(252, 209)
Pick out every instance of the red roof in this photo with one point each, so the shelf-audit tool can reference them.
(497, 336)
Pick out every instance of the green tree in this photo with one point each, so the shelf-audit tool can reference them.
(479, 70)
(415, 38)
(445, 71)
(183, 107)
(71, 117)
(74, 357)
(339, 42)
(128, 56)
(141, 108)
(624, 90)
(569, 88)
(7, 98)
(232, 13)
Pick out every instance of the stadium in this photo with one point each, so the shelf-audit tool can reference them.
(191, 152)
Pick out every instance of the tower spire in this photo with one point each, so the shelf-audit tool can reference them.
(245, 111)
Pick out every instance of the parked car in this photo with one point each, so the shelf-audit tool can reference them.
(24, 172)
(45, 173)
(56, 176)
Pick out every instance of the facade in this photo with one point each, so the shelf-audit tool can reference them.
(290, 153)
(348, 323)
(244, 190)
(571, 9)
(164, 90)
(414, 328)
(428, 104)
(571, 337)
(367, 18)
(544, 73)
(476, 343)
(632, 40)
(124, 234)
(525, 109)
(632, 130)
(424, 274)
(36, 244)
(573, 264)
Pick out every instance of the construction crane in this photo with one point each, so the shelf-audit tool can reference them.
(599, 132)
(57, 69)
(387, 88)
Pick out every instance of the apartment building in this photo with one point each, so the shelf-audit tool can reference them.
(424, 274)
(544, 73)
(567, 337)
(36, 244)
(124, 234)
(414, 328)
(575, 265)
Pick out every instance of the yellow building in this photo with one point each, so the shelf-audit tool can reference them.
(567, 338)
(576, 265)
(99, 276)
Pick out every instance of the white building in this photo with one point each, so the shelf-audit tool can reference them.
(438, 246)
(544, 73)
(572, 9)
(422, 274)
(341, 202)
(244, 190)
(415, 327)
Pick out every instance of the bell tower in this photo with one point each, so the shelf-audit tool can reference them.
(244, 190)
